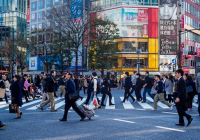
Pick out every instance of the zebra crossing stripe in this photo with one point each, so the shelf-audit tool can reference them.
(36, 106)
(159, 103)
(107, 104)
(59, 104)
(145, 105)
(127, 104)
(194, 104)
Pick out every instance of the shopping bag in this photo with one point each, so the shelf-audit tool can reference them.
(95, 101)
(2, 92)
(8, 92)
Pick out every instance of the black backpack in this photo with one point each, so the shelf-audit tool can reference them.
(98, 86)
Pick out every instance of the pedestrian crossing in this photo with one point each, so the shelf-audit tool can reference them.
(60, 103)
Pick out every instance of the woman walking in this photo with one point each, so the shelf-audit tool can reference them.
(17, 95)
(169, 88)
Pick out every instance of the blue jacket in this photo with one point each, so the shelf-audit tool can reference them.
(70, 87)
(159, 87)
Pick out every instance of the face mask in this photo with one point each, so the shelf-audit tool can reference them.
(137, 76)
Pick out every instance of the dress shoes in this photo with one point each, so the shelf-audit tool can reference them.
(82, 119)
(111, 104)
(63, 120)
(189, 121)
(103, 105)
(180, 124)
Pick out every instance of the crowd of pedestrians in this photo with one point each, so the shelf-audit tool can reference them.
(178, 90)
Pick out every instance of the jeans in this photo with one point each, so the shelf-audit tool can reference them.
(148, 90)
(199, 103)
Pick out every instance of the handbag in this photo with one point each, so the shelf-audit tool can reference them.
(189, 89)
(12, 108)
(74, 95)
(2, 92)
(95, 101)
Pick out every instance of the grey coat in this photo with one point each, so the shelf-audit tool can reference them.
(197, 83)
(169, 86)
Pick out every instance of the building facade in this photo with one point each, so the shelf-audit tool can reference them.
(12, 20)
(137, 21)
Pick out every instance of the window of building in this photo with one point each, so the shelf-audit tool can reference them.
(40, 26)
(33, 28)
(41, 4)
(48, 37)
(41, 15)
(40, 38)
(34, 17)
(49, 3)
(34, 6)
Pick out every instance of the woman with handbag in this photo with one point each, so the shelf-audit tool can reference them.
(17, 95)
(70, 98)
(191, 94)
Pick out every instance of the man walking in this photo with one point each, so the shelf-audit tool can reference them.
(62, 87)
(147, 87)
(50, 88)
(71, 88)
(181, 99)
(133, 79)
(160, 94)
(198, 89)
(138, 87)
(106, 90)
(127, 87)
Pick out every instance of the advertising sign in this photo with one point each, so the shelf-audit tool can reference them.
(143, 15)
(73, 62)
(182, 56)
(129, 14)
(168, 27)
(197, 47)
(33, 63)
(145, 30)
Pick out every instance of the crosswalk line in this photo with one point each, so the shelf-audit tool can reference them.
(29, 103)
(127, 104)
(59, 104)
(194, 104)
(80, 102)
(159, 103)
(145, 105)
(107, 104)
(36, 106)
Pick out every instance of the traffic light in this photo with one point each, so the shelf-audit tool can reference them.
(192, 53)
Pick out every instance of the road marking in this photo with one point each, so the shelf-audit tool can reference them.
(170, 113)
(170, 129)
(36, 106)
(127, 104)
(59, 104)
(194, 104)
(123, 121)
(145, 105)
(159, 103)
(107, 104)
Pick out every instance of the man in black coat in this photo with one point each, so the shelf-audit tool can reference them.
(127, 86)
(181, 99)
(50, 89)
(106, 90)
(138, 87)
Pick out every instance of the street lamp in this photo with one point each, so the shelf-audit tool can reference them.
(138, 60)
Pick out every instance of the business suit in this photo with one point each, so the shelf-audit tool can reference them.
(71, 88)
(198, 90)
(127, 88)
(138, 87)
(182, 95)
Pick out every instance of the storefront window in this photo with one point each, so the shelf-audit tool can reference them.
(133, 46)
(130, 62)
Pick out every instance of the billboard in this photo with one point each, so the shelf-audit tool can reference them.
(33, 63)
(142, 15)
(129, 14)
(168, 27)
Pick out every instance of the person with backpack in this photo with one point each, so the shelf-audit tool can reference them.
(147, 87)
(71, 88)
(106, 90)
(127, 86)
(189, 82)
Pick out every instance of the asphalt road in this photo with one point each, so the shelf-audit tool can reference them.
(121, 122)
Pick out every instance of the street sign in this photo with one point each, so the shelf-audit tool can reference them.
(173, 61)
(170, 67)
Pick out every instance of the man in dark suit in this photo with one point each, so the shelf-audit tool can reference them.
(128, 86)
(181, 99)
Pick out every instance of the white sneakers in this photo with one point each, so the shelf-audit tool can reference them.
(154, 109)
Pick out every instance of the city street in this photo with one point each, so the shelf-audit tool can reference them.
(120, 122)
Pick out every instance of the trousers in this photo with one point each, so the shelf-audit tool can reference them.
(72, 104)
(181, 112)
(160, 96)
(104, 97)
(50, 100)
(127, 92)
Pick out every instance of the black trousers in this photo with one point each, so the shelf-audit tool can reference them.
(138, 95)
(170, 98)
(181, 111)
(74, 106)
(190, 99)
(84, 89)
(127, 92)
(25, 93)
(104, 96)
(88, 98)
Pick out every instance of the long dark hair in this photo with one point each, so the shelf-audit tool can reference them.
(171, 78)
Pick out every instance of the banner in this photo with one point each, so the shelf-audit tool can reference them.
(197, 46)
(142, 15)
(145, 30)
(168, 27)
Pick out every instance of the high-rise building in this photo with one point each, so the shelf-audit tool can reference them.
(12, 20)
(137, 21)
